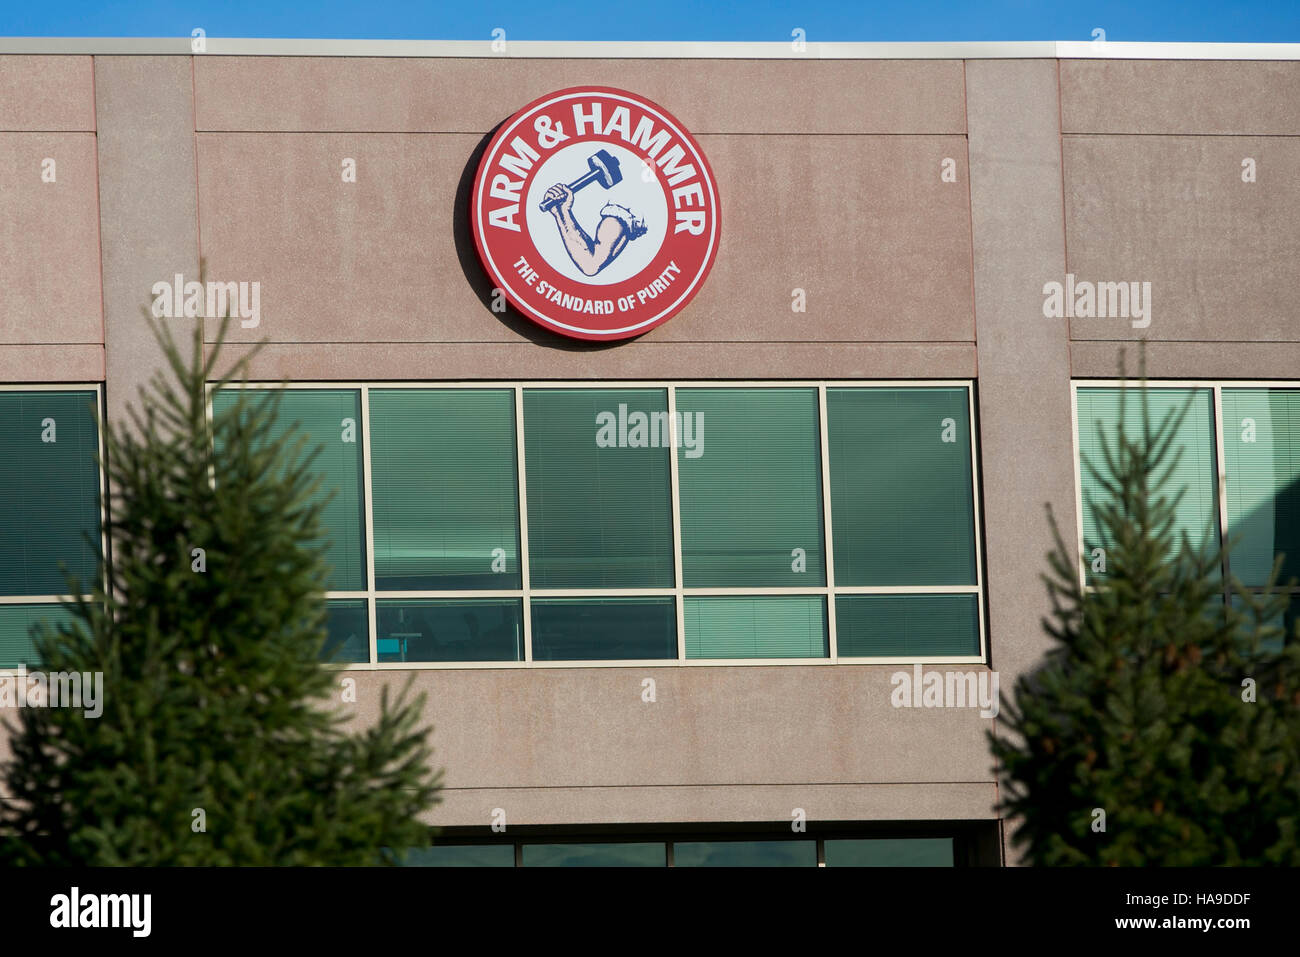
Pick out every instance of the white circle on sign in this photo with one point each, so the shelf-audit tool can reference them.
(643, 195)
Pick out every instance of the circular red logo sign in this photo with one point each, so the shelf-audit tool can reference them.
(596, 213)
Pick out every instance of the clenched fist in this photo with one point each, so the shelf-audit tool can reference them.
(562, 197)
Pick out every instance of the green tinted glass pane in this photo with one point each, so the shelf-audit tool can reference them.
(347, 626)
(599, 499)
(1197, 513)
(902, 496)
(595, 855)
(446, 506)
(590, 629)
(331, 421)
(745, 853)
(1261, 452)
(868, 626)
(434, 629)
(49, 491)
(460, 855)
(16, 621)
(1286, 621)
(749, 469)
(763, 627)
(890, 852)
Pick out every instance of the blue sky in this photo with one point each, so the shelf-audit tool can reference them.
(1246, 20)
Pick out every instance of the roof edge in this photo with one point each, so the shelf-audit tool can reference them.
(620, 50)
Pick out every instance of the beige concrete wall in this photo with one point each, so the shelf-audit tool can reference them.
(1024, 405)
(47, 94)
(856, 216)
(861, 223)
(752, 743)
(148, 207)
(51, 321)
(1153, 157)
(472, 95)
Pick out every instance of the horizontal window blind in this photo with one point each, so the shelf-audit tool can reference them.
(347, 626)
(331, 421)
(49, 492)
(590, 629)
(1099, 413)
(446, 508)
(890, 852)
(769, 853)
(902, 494)
(599, 499)
(1261, 452)
(750, 488)
(594, 855)
(432, 629)
(459, 855)
(599, 495)
(927, 626)
(758, 627)
(1285, 623)
(16, 622)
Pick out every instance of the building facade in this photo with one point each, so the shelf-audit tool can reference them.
(663, 591)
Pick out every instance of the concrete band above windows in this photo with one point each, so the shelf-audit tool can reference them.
(535, 524)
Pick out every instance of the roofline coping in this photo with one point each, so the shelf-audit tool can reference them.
(655, 50)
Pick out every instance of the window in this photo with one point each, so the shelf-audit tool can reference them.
(599, 497)
(708, 849)
(799, 853)
(901, 487)
(761, 627)
(756, 454)
(1286, 621)
(1261, 453)
(1251, 497)
(50, 509)
(460, 855)
(329, 420)
(919, 626)
(17, 650)
(595, 855)
(1098, 414)
(347, 629)
(475, 629)
(890, 852)
(549, 523)
(446, 513)
(583, 629)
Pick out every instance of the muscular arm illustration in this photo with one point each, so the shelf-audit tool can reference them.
(589, 254)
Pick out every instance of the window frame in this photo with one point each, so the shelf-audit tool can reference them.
(1216, 387)
(102, 482)
(526, 593)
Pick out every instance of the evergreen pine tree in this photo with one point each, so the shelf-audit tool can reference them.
(222, 738)
(1143, 709)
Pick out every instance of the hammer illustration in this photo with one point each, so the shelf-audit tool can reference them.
(604, 170)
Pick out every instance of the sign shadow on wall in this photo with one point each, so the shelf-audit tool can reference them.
(479, 281)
